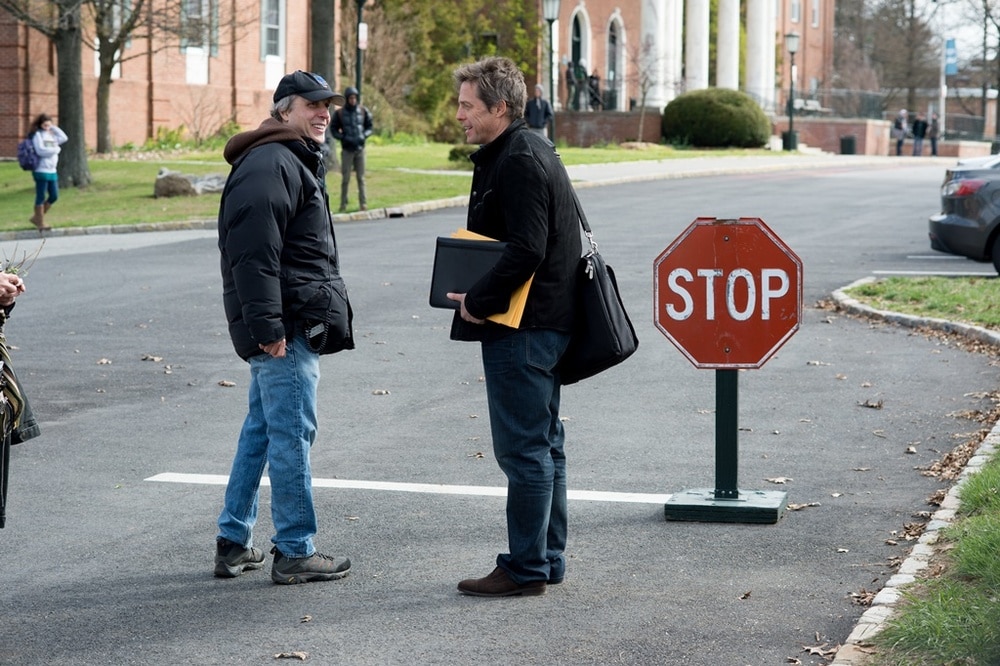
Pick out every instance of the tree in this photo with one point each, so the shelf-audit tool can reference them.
(415, 45)
(114, 22)
(901, 35)
(59, 20)
(643, 75)
(158, 24)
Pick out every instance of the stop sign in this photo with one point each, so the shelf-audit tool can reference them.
(728, 293)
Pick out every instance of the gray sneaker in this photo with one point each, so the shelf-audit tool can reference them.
(232, 559)
(316, 567)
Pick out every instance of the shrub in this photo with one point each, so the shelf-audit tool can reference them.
(715, 118)
(460, 154)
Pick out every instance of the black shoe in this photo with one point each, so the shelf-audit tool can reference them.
(232, 559)
(316, 567)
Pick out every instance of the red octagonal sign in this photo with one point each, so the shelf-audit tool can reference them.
(728, 293)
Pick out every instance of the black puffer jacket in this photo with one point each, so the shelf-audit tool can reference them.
(279, 255)
(351, 124)
(522, 194)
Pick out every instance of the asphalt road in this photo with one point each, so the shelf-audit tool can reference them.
(121, 344)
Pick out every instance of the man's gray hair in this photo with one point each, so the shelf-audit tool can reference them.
(283, 105)
(496, 79)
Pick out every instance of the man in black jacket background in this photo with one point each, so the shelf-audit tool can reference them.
(521, 194)
(352, 125)
(280, 274)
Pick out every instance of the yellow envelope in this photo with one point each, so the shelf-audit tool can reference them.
(512, 317)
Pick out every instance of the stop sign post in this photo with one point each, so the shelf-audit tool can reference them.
(727, 294)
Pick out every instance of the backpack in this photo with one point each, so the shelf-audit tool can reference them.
(26, 155)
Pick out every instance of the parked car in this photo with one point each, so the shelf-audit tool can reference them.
(969, 222)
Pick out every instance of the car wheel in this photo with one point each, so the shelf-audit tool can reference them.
(996, 254)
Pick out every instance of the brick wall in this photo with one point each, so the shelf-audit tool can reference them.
(583, 129)
(871, 137)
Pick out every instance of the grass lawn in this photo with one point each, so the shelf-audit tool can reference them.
(953, 617)
(122, 187)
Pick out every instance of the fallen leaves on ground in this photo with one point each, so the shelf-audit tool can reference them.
(862, 597)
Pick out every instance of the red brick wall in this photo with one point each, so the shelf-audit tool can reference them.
(152, 92)
(871, 137)
(587, 129)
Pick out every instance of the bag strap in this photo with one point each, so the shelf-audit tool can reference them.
(583, 222)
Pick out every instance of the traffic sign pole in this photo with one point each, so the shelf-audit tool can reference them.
(728, 295)
(726, 434)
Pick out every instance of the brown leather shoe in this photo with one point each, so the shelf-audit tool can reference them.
(499, 584)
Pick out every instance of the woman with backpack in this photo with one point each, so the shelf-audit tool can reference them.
(46, 138)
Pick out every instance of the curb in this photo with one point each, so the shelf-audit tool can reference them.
(874, 620)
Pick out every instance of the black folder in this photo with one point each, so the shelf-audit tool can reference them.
(459, 263)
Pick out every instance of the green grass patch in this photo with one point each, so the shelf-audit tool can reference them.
(947, 622)
(955, 619)
(397, 173)
(972, 300)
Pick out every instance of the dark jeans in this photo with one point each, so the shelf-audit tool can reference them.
(522, 390)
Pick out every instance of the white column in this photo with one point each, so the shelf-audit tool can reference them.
(757, 29)
(675, 33)
(727, 56)
(770, 64)
(650, 54)
(696, 45)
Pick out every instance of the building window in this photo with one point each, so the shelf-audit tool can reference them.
(272, 29)
(200, 25)
(815, 13)
(796, 11)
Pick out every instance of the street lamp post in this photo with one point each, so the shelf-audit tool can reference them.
(790, 141)
(550, 9)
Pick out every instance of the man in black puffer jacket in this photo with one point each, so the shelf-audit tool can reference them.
(281, 287)
(352, 125)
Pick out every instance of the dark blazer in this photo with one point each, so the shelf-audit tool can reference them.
(521, 194)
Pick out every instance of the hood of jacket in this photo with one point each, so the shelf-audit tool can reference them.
(269, 131)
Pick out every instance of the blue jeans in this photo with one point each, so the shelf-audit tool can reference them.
(46, 183)
(279, 429)
(522, 389)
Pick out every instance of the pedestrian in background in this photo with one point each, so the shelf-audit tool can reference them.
(521, 194)
(594, 85)
(933, 133)
(280, 269)
(899, 130)
(352, 125)
(47, 140)
(539, 112)
(919, 130)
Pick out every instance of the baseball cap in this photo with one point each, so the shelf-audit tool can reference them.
(306, 84)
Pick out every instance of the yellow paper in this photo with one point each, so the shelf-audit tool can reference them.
(512, 317)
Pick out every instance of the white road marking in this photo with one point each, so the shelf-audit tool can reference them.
(938, 273)
(440, 489)
(947, 257)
